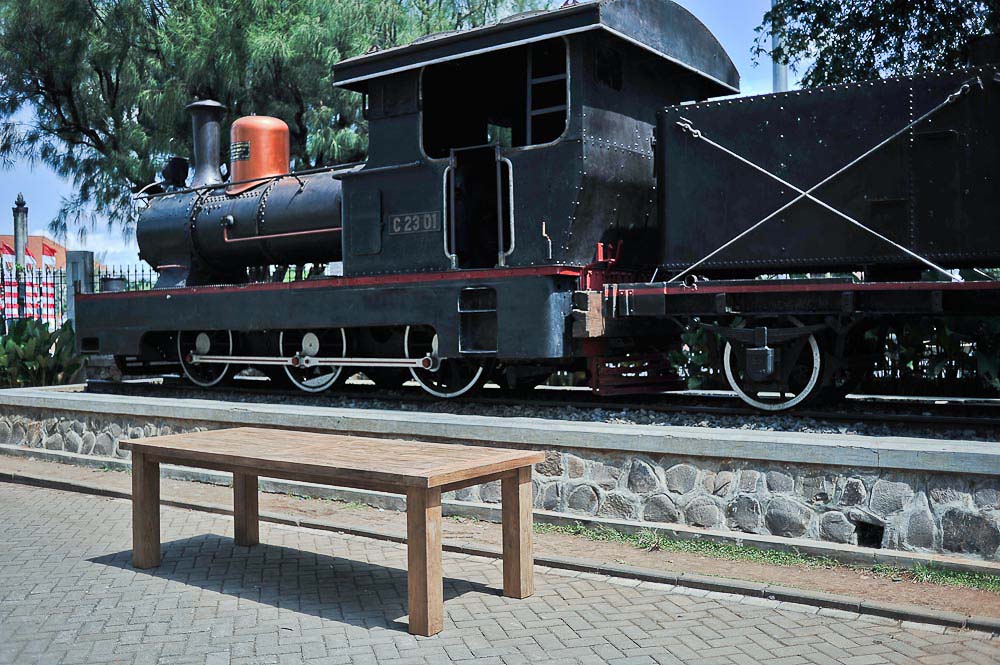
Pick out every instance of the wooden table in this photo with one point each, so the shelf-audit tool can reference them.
(422, 471)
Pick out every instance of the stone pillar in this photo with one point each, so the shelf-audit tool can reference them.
(20, 245)
(79, 279)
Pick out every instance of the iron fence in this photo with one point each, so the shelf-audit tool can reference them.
(44, 293)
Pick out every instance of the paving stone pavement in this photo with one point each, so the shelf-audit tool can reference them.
(69, 595)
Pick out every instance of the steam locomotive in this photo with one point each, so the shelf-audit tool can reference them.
(556, 192)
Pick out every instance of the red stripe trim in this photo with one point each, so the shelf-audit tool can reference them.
(346, 282)
(799, 288)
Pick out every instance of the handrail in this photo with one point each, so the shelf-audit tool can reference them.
(272, 236)
(453, 258)
(510, 195)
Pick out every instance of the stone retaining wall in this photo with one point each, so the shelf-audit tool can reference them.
(911, 510)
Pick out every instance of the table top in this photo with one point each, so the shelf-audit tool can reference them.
(336, 457)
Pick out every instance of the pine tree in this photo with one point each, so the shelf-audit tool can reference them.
(96, 89)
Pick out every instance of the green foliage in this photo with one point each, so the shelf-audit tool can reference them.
(96, 89)
(693, 360)
(840, 42)
(32, 355)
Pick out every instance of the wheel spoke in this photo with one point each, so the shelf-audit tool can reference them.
(453, 377)
(217, 342)
(331, 343)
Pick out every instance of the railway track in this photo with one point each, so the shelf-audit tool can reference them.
(932, 413)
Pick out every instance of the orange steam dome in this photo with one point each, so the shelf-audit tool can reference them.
(258, 148)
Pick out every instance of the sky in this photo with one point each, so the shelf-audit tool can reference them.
(732, 22)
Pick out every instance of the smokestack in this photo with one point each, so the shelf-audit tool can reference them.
(779, 74)
(206, 118)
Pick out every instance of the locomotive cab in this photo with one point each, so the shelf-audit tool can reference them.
(524, 143)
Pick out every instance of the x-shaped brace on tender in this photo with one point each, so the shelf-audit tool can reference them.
(687, 126)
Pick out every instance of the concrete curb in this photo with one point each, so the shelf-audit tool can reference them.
(838, 450)
(896, 612)
(847, 554)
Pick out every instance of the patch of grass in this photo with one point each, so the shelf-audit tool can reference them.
(652, 541)
(932, 574)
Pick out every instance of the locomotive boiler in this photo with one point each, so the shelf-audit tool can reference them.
(206, 233)
(570, 190)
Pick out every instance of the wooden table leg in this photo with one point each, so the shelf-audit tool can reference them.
(518, 562)
(246, 510)
(145, 512)
(423, 570)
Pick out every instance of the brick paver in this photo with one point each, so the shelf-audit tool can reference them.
(68, 595)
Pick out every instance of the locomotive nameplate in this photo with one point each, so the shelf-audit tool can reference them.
(413, 222)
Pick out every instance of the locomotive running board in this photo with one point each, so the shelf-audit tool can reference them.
(427, 362)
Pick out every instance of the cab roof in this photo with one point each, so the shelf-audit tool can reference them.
(660, 26)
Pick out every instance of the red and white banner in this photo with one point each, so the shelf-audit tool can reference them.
(39, 286)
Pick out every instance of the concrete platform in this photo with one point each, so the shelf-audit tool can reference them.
(899, 453)
(838, 492)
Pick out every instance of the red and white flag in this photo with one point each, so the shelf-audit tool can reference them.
(48, 255)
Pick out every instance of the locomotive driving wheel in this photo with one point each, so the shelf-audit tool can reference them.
(796, 379)
(453, 377)
(204, 343)
(331, 343)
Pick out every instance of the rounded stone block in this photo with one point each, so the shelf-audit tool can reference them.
(681, 478)
(548, 497)
(660, 508)
(723, 483)
(575, 467)
(780, 483)
(583, 499)
(87, 443)
(785, 517)
(605, 475)
(919, 530)
(54, 442)
(855, 493)
(642, 477)
(835, 527)
(748, 481)
(966, 531)
(617, 505)
(490, 492)
(73, 442)
(104, 445)
(745, 514)
(987, 495)
(889, 497)
(551, 465)
(948, 489)
(703, 511)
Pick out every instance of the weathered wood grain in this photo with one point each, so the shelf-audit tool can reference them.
(246, 510)
(518, 562)
(145, 512)
(336, 458)
(425, 586)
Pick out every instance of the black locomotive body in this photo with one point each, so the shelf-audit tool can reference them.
(524, 191)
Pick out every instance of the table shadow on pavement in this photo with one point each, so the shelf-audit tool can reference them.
(330, 587)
